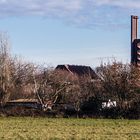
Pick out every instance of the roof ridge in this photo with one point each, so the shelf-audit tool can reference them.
(67, 67)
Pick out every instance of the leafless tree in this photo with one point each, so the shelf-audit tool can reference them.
(5, 66)
(119, 82)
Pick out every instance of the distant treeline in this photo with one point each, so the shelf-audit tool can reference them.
(70, 94)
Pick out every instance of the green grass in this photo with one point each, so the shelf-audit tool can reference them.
(72, 129)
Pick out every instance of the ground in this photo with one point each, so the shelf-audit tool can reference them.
(22, 128)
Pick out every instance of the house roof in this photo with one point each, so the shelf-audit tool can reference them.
(78, 69)
(23, 100)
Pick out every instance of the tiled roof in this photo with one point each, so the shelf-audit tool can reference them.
(78, 69)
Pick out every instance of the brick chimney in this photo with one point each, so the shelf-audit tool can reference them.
(134, 32)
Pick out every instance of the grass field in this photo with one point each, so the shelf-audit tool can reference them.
(72, 129)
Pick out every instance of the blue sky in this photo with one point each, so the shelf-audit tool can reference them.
(83, 32)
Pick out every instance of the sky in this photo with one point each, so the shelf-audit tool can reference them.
(79, 32)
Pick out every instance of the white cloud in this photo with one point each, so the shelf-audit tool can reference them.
(36, 7)
(79, 12)
(119, 3)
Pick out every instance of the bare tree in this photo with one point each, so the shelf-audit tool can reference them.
(5, 66)
(50, 87)
(119, 82)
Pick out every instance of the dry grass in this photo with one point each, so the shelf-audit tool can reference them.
(72, 129)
